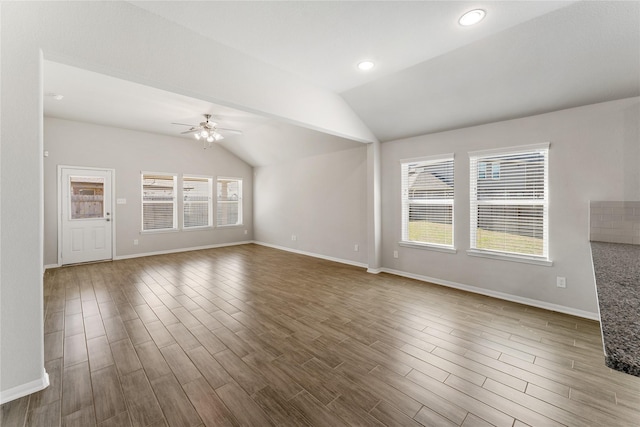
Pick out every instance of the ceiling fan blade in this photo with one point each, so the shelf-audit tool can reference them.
(236, 131)
(182, 124)
(189, 131)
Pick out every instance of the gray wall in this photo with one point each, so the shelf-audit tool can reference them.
(129, 152)
(594, 155)
(321, 199)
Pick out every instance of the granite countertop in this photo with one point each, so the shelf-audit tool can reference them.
(617, 270)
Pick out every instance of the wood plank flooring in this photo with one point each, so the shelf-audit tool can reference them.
(253, 336)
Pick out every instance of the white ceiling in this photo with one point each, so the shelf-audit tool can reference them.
(586, 53)
(96, 98)
(431, 74)
(323, 41)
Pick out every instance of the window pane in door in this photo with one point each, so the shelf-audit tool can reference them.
(87, 197)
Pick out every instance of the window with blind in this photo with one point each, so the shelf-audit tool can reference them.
(510, 202)
(427, 201)
(229, 202)
(197, 206)
(159, 211)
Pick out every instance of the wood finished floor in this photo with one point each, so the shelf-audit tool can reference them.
(249, 335)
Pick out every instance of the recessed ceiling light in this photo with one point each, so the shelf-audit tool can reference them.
(472, 17)
(366, 65)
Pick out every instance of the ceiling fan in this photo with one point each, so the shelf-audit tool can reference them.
(208, 130)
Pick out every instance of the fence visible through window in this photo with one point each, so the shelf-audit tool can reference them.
(158, 202)
(229, 201)
(87, 197)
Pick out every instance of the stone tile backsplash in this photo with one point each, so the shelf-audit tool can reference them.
(615, 222)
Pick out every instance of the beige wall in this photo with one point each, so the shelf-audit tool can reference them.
(72, 143)
(593, 156)
(321, 199)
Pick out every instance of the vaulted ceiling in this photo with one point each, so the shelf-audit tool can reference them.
(430, 74)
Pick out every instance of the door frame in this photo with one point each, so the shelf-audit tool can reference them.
(61, 201)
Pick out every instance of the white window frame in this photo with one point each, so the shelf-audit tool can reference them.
(485, 157)
(174, 201)
(208, 202)
(406, 202)
(239, 202)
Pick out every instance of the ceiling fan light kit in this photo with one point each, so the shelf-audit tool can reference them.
(207, 131)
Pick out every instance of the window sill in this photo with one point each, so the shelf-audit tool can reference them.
(230, 226)
(199, 228)
(165, 230)
(429, 247)
(507, 257)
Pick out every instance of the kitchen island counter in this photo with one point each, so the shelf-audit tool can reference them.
(617, 274)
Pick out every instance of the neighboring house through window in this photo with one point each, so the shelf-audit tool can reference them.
(427, 201)
(510, 202)
(488, 170)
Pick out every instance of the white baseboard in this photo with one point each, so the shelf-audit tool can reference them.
(468, 288)
(169, 251)
(311, 254)
(25, 389)
(473, 289)
(50, 266)
(499, 295)
(175, 251)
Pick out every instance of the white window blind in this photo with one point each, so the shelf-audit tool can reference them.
(509, 201)
(158, 202)
(229, 203)
(197, 205)
(427, 201)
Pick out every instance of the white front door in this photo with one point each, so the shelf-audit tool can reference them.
(86, 215)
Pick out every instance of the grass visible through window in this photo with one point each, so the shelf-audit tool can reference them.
(440, 234)
(505, 242)
(430, 232)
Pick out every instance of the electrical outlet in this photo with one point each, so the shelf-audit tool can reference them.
(561, 282)
(135, 242)
(294, 237)
(356, 248)
(395, 254)
(246, 231)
